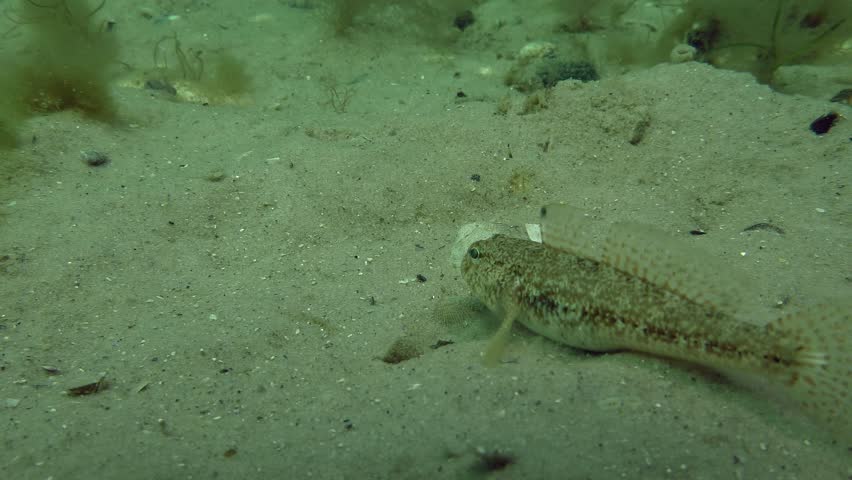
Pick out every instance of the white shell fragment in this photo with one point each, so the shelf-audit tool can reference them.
(535, 50)
(682, 53)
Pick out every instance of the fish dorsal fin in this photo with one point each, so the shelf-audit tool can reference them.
(566, 228)
(645, 252)
(671, 263)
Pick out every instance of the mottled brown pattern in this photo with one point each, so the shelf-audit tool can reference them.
(591, 305)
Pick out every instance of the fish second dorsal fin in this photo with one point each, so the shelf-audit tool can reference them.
(672, 264)
(647, 253)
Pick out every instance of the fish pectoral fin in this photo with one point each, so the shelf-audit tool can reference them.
(497, 344)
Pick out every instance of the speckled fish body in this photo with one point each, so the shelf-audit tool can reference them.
(621, 301)
(591, 305)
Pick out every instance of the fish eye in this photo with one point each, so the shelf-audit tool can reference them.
(474, 253)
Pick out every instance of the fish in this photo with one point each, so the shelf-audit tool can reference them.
(640, 290)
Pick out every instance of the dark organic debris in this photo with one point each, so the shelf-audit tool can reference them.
(94, 158)
(764, 226)
(552, 72)
(824, 123)
(464, 20)
(89, 388)
(492, 461)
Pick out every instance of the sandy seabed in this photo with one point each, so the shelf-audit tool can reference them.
(239, 271)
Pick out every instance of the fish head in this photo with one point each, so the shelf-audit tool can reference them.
(491, 271)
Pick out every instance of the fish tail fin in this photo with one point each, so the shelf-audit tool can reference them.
(819, 345)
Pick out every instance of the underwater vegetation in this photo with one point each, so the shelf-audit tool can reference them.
(184, 73)
(67, 57)
(65, 64)
(760, 36)
(68, 60)
(12, 110)
(756, 36)
(433, 19)
(585, 16)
